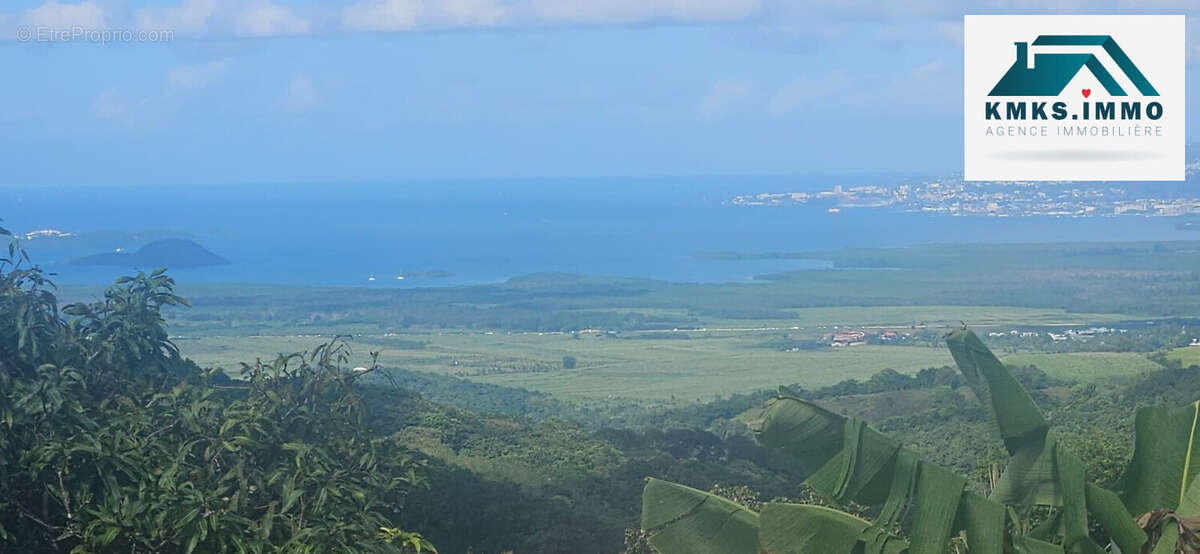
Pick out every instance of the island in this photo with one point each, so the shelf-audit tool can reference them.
(174, 253)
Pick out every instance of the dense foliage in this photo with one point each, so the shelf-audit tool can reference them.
(110, 441)
(1042, 501)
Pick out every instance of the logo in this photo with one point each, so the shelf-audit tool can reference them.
(1061, 98)
(1048, 74)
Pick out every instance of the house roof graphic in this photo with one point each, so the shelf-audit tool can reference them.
(1051, 72)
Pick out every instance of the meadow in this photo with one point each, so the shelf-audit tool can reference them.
(1086, 367)
(722, 357)
(1187, 356)
(651, 340)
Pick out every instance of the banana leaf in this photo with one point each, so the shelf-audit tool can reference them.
(805, 529)
(1040, 471)
(849, 461)
(869, 468)
(1166, 460)
(1028, 478)
(685, 520)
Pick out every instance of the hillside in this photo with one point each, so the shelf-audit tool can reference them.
(175, 253)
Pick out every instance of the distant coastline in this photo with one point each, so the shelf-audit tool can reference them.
(990, 199)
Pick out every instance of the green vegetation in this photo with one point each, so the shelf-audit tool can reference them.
(1186, 356)
(1065, 281)
(487, 438)
(1086, 366)
(632, 366)
(112, 442)
(701, 369)
(655, 341)
(1041, 502)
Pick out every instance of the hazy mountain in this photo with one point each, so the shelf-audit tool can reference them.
(175, 253)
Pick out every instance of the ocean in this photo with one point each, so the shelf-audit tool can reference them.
(488, 231)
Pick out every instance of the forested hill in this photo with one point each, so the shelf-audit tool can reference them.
(114, 442)
(172, 252)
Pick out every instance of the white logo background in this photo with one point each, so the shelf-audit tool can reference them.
(1155, 44)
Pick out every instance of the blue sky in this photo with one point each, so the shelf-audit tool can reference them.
(385, 90)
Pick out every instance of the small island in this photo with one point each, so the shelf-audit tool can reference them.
(174, 253)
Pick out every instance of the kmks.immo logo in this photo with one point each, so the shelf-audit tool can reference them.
(1047, 74)
(1047, 97)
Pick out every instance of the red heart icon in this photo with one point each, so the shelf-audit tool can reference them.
(1087, 92)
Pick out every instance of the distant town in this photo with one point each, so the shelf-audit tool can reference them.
(992, 199)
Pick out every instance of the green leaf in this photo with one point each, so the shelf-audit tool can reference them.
(1112, 515)
(871, 469)
(938, 494)
(683, 520)
(789, 419)
(808, 529)
(985, 522)
(1166, 460)
(1013, 410)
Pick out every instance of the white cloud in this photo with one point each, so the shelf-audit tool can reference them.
(472, 12)
(640, 11)
(406, 15)
(928, 69)
(722, 97)
(201, 18)
(804, 22)
(803, 90)
(301, 95)
(197, 76)
(111, 104)
(148, 110)
(134, 113)
(383, 15)
(264, 19)
(189, 17)
(65, 16)
(951, 30)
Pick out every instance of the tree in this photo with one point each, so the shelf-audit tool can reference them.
(569, 362)
(1043, 483)
(110, 441)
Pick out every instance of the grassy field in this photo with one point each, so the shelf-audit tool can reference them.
(696, 368)
(1086, 366)
(945, 316)
(726, 356)
(703, 368)
(903, 316)
(1188, 355)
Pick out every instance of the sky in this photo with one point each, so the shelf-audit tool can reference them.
(271, 91)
